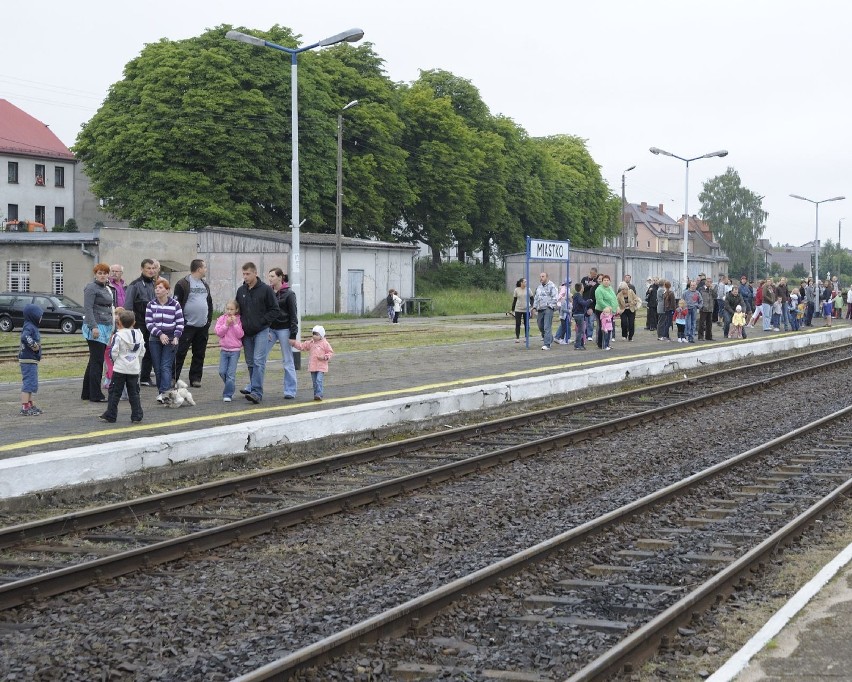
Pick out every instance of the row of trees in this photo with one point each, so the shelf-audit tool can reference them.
(198, 133)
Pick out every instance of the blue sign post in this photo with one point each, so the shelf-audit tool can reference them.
(545, 249)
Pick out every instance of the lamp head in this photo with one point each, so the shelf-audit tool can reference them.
(351, 104)
(353, 35)
(796, 196)
(721, 152)
(245, 38)
(629, 169)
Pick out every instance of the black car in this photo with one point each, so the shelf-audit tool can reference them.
(60, 312)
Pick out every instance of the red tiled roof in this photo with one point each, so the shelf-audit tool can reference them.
(20, 133)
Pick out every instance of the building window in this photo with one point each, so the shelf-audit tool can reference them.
(12, 212)
(13, 172)
(39, 174)
(39, 214)
(57, 272)
(59, 216)
(59, 177)
(18, 278)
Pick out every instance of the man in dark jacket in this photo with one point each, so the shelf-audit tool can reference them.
(139, 293)
(705, 313)
(732, 300)
(285, 328)
(193, 294)
(651, 302)
(258, 310)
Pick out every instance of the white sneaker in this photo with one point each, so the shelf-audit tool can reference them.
(545, 347)
(226, 400)
(161, 398)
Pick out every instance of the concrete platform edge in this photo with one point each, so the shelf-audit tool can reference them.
(20, 476)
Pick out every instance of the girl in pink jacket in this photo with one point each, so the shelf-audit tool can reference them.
(229, 329)
(320, 353)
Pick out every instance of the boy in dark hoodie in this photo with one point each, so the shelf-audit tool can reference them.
(29, 357)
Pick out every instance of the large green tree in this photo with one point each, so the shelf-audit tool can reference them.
(443, 164)
(583, 208)
(735, 216)
(198, 132)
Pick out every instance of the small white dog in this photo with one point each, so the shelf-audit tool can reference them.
(179, 395)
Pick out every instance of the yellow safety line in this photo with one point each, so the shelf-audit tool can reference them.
(357, 398)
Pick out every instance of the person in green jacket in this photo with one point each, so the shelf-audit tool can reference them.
(604, 297)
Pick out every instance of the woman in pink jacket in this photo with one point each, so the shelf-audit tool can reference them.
(320, 353)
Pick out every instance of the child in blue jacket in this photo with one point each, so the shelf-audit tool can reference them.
(28, 358)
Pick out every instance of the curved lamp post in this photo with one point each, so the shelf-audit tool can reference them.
(816, 237)
(338, 224)
(657, 150)
(351, 36)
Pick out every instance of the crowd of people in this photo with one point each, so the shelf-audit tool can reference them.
(593, 305)
(140, 334)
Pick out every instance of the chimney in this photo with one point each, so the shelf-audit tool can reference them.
(662, 212)
(644, 207)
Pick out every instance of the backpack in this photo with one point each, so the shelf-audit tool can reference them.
(390, 299)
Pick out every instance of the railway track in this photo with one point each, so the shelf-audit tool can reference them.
(64, 350)
(596, 601)
(68, 552)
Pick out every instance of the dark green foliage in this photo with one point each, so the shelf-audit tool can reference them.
(457, 275)
(198, 133)
(70, 226)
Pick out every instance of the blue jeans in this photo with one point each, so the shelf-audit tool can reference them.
(545, 325)
(785, 316)
(228, 360)
(316, 380)
(766, 309)
(162, 359)
(690, 323)
(607, 337)
(564, 331)
(282, 336)
(580, 338)
(256, 348)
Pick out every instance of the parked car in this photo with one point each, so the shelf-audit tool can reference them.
(60, 312)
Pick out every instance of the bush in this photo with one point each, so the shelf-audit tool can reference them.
(71, 225)
(457, 275)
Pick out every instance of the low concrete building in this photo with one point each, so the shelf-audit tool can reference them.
(369, 268)
(61, 262)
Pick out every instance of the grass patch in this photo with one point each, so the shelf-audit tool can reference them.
(468, 301)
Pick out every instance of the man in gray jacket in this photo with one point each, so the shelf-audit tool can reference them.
(544, 304)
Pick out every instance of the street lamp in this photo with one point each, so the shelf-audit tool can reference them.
(623, 221)
(351, 36)
(338, 225)
(816, 237)
(657, 150)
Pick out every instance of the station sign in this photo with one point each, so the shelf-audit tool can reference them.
(543, 249)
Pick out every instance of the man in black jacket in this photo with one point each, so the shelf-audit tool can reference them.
(258, 310)
(285, 327)
(139, 293)
(193, 294)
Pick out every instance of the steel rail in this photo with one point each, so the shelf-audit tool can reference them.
(122, 511)
(75, 577)
(647, 638)
(399, 619)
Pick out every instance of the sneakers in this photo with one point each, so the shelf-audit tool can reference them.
(161, 398)
(545, 347)
(32, 411)
(318, 398)
(245, 391)
(147, 382)
(776, 329)
(253, 398)
(608, 348)
(517, 340)
(195, 384)
(226, 399)
(106, 419)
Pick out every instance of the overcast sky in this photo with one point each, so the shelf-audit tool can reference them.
(766, 80)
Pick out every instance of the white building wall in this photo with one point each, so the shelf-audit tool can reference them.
(27, 195)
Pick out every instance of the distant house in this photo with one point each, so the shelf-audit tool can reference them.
(701, 239)
(36, 172)
(649, 230)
